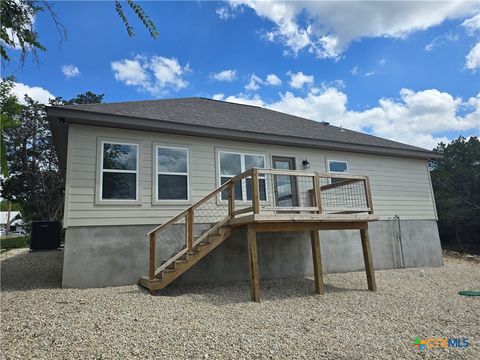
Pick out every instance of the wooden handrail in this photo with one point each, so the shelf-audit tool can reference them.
(255, 173)
(340, 183)
(195, 205)
(262, 171)
(341, 176)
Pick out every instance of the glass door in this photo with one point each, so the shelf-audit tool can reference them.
(284, 185)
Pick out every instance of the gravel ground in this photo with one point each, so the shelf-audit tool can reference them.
(41, 321)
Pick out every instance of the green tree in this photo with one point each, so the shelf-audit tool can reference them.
(85, 98)
(10, 109)
(34, 180)
(456, 184)
(17, 30)
(5, 204)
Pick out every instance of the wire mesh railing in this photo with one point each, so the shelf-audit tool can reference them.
(258, 191)
(187, 229)
(312, 192)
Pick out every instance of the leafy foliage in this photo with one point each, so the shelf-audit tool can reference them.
(34, 180)
(456, 183)
(10, 108)
(86, 98)
(13, 242)
(18, 16)
(5, 204)
(17, 30)
(142, 16)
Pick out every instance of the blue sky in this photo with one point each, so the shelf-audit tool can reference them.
(408, 72)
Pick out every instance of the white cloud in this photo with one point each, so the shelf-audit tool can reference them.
(168, 72)
(473, 58)
(218, 96)
(273, 80)
(131, 72)
(370, 73)
(229, 11)
(299, 79)
(70, 71)
(418, 118)
(354, 70)
(225, 75)
(440, 40)
(327, 105)
(245, 99)
(155, 75)
(254, 83)
(472, 24)
(37, 93)
(326, 28)
(223, 13)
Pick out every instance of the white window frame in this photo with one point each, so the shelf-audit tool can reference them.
(242, 169)
(337, 172)
(101, 170)
(156, 200)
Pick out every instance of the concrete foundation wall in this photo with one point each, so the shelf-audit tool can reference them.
(118, 255)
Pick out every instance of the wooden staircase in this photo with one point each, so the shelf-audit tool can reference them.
(322, 204)
(176, 268)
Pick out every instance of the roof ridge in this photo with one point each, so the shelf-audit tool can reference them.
(132, 101)
(168, 99)
(232, 103)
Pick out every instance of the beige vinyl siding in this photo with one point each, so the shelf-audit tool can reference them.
(400, 186)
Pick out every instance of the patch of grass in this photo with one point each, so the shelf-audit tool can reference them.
(13, 242)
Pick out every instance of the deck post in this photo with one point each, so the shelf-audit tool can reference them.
(317, 262)
(231, 199)
(318, 192)
(189, 228)
(253, 263)
(367, 256)
(153, 257)
(255, 192)
(368, 194)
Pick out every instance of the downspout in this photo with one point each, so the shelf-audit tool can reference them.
(397, 219)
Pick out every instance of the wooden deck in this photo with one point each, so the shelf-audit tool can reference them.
(316, 202)
(313, 220)
(312, 223)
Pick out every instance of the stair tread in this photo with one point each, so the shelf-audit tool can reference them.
(172, 271)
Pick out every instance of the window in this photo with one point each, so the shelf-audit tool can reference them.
(172, 173)
(119, 171)
(337, 167)
(232, 164)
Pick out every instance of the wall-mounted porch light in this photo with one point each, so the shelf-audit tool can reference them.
(306, 164)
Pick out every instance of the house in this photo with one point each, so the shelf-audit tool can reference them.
(132, 166)
(13, 221)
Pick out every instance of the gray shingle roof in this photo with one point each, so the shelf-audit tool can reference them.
(226, 115)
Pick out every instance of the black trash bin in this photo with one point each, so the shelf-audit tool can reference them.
(45, 235)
